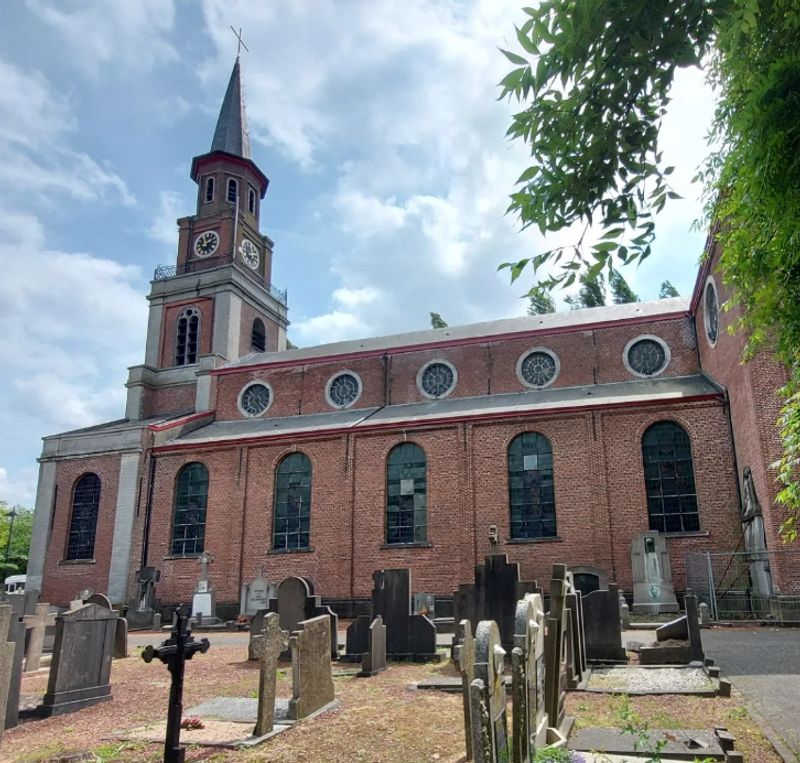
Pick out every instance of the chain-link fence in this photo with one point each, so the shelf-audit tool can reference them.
(747, 586)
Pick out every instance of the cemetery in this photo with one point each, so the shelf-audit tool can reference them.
(530, 669)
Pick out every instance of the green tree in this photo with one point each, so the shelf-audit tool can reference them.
(594, 78)
(621, 292)
(291, 345)
(592, 292)
(18, 549)
(437, 322)
(540, 302)
(667, 290)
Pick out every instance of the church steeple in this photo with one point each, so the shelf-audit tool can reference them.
(230, 134)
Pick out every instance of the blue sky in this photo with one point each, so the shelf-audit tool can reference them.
(377, 124)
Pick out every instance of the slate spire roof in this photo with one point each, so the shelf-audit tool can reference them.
(230, 134)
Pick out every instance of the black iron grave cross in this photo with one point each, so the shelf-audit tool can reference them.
(174, 652)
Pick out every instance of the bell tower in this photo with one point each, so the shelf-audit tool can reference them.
(217, 302)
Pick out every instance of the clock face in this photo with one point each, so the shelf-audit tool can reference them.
(249, 254)
(206, 244)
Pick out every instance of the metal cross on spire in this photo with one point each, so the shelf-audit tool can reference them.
(240, 44)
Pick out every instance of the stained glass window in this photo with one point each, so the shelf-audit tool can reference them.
(258, 337)
(191, 499)
(530, 487)
(437, 379)
(233, 190)
(255, 399)
(669, 478)
(711, 313)
(406, 495)
(292, 521)
(647, 357)
(344, 390)
(188, 337)
(538, 368)
(83, 522)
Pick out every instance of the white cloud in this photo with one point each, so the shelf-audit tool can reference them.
(164, 227)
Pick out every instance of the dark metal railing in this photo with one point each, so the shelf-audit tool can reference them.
(165, 272)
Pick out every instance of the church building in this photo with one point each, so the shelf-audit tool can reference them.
(551, 438)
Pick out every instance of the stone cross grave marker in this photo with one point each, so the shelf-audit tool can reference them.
(174, 652)
(203, 600)
(37, 624)
(373, 660)
(408, 637)
(312, 680)
(464, 659)
(602, 626)
(488, 697)
(7, 651)
(274, 642)
(296, 603)
(16, 637)
(529, 729)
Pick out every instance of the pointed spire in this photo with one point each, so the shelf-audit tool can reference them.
(231, 132)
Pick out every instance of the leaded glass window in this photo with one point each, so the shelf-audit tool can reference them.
(255, 399)
(437, 379)
(711, 313)
(191, 500)
(406, 495)
(292, 522)
(538, 368)
(258, 336)
(647, 357)
(344, 390)
(83, 522)
(530, 487)
(188, 338)
(210, 189)
(669, 478)
(233, 190)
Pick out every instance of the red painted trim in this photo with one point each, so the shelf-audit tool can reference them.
(448, 343)
(180, 422)
(441, 421)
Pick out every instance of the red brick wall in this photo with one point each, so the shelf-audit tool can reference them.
(177, 399)
(169, 328)
(249, 314)
(61, 579)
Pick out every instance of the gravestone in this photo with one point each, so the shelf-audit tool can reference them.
(588, 579)
(425, 604)
(408, 637)
(653, 591)
(16, 637)
(602, 626)
(576, 645)
(556, 648)
(624, 612)
(274, 641)
(488, 697)
(493, 596)
(464, 659)
(7, 651)
(295, 603)
(100, 599)
(36, 624)
(678, 641)
(256, 595)
(256, 635)
(141, 614)
(121, 639)
(312, 681)
(374, 659)
(755, 539)
(693, 618)
(80, 671)
(357, 639)
(529, 730)
(204, 605)
(705, 617)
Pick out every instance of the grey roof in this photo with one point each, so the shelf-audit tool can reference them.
(489, 329)
(230, 134)
(665, 390)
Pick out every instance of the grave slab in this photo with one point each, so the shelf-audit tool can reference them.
(651, 680)
(681, 744)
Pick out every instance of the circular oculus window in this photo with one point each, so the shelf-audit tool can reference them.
(437, 379)
(646, 356)
(711, 311)
(255, 399)
(343, 389)
(538, 368)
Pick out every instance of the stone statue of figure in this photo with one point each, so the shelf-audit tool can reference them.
(755, 539)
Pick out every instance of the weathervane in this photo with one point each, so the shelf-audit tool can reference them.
(240, 43)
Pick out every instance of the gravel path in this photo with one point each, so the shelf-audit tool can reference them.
(649, 679)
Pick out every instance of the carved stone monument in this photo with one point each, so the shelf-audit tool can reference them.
(7, 652)
(602, 626)
(16, 637)
(204, 606)
(755, 539)
(296, 603)
(373, 661)
(256, 595)
(140, 615)
(357, 639)
(274, 641)
(36, 624)
(556, 648)
(312, 680)
(464, 659)
(488, 697)
(653, 591)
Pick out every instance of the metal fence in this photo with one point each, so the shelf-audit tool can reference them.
(747, 586)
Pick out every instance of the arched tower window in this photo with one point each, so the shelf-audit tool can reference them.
(233, 190)
(189, 517)
(210, 189)
(531, 491)
(292, 522)
(251, 201)
(406, 495)
(258, 336)
(188, 337)
(669, 478)
(83, 523)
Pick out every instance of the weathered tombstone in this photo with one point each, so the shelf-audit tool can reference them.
(529, 729)
(296, 603)
(256, 595)
(705, 617)
(653, 591)
(256, 635)
(693, 621)
(374, 659)
(80, 672)
(576, 644)
(556, 648)
(16, 637)
(7, 650)
(755, 539)
(602, 626)
(274, 641)
(37, 624)
(99, 598)
(488, 697)
(408, 637)
(624, 612)
(312, 680)
(121, 639)
(464, 658)
(425, 604)
(142, 611)
(204, 606)
(174, 652)
(357, 639)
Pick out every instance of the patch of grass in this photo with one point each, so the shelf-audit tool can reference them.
(114, 751)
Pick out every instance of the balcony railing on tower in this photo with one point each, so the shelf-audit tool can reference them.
(165, 272)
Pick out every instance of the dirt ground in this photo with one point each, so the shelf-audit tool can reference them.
(381, 720)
